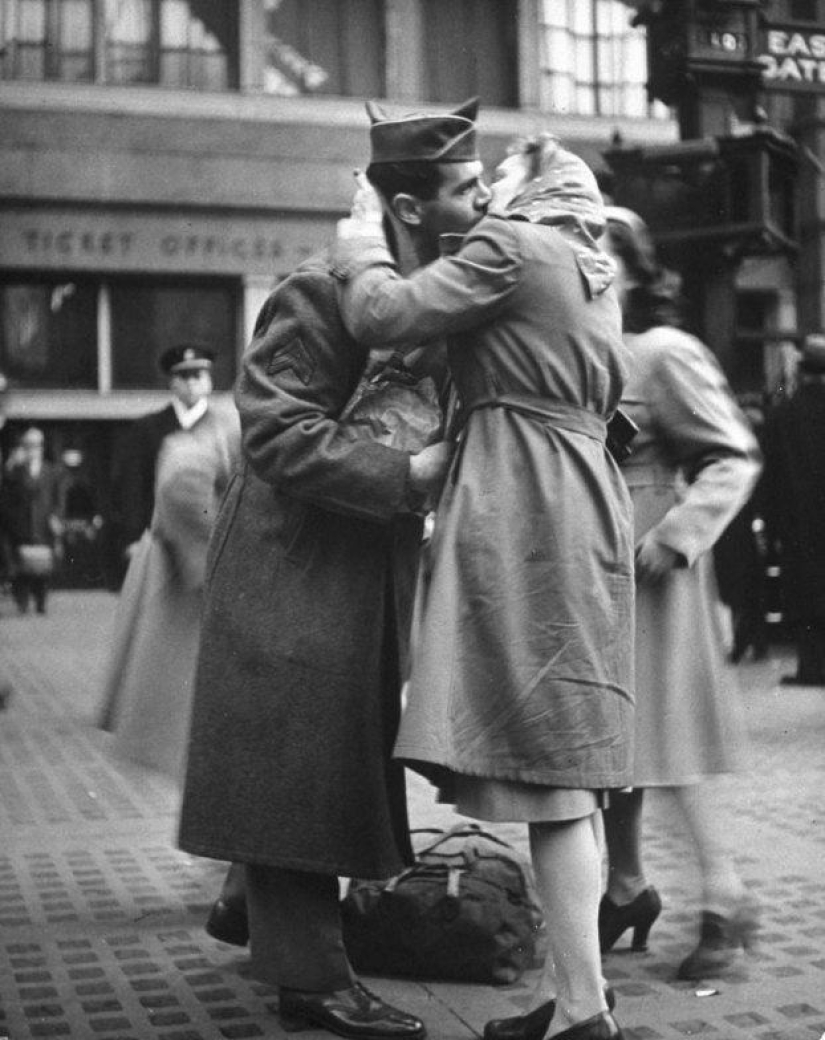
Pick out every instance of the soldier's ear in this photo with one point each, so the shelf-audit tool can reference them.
(407, 209)
(468, 109)
(375, 112)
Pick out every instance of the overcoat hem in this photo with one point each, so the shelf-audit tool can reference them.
(310, 866)
(431, 766)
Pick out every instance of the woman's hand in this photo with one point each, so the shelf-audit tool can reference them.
(366, 213)
(654, 560)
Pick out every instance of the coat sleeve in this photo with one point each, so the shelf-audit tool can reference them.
(705, 431)
(450, 295)
(298, 374)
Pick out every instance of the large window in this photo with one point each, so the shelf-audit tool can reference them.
(48, 333)
(176, 43)
(593, 62)
(90, 334)
(146, 318)
(325, 47)
(470, 47)
(47, 40)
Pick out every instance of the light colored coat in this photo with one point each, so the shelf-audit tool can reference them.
(148, 690)
(523, 664)
(693, 466)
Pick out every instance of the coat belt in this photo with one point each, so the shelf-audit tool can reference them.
(561, 414)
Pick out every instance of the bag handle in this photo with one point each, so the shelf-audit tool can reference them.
(470, 830)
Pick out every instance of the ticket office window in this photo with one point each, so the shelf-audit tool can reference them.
(146, 318)
(67, 333)
(176, 43)
(48, 333)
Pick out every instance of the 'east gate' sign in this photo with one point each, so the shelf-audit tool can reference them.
(794, 58)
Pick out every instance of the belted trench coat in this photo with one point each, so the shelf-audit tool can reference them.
(694, 463)
(310, 578)
(522, 667)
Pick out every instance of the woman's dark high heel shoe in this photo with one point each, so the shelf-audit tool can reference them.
(638, 915)
(533, 1025)
(720, 940)
(600, 1027)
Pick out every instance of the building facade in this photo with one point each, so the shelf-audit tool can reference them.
(164, 162)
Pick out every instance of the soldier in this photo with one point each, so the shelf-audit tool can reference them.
(307, 607)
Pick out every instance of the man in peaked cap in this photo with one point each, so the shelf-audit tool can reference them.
(188, 368)
(306, 616)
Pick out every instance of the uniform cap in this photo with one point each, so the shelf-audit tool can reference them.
(449, 137)
(185, 357)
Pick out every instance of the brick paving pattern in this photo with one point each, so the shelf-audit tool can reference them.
(101, 916)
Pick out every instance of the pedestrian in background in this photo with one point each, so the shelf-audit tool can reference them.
(520, 702)
(31, 508)
(147, 696)
(795, 505)
(693, 465)
(188, 369)
(741, 559)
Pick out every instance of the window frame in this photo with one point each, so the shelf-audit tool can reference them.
(101, 350)
(98, 58)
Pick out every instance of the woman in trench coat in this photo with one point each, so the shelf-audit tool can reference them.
(520, 689)
(693, 466)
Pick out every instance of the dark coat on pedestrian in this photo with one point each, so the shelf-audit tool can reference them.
(794, 497)
(309, 582)
(134, 476)
(29, 505)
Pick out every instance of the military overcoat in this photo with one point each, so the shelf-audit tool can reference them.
(310, 576)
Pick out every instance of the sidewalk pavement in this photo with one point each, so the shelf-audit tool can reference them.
(101, 916)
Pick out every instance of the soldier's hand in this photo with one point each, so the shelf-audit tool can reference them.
(654, 561)
(428, 469)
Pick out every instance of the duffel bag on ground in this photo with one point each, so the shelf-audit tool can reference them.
(465, 911)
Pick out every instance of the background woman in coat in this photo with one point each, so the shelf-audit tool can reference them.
(520, 684)
(693, 465)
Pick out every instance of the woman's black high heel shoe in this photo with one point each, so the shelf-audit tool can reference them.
(638, 915)
(600, 1027)
(533, 1025)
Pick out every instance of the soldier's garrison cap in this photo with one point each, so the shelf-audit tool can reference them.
(443, 138)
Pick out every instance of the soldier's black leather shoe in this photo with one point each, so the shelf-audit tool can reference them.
(228, 922)
(353, 1012)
